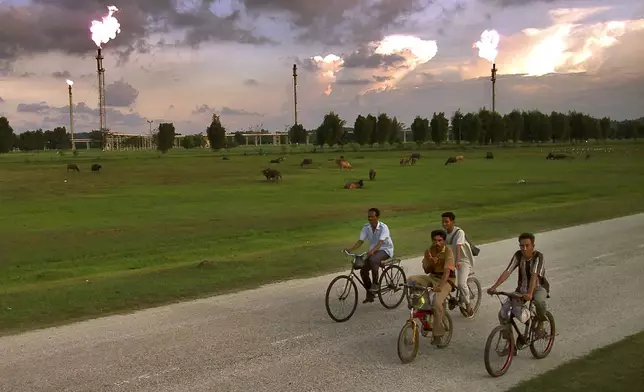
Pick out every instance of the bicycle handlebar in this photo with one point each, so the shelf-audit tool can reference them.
(353, 254)
(507, 294)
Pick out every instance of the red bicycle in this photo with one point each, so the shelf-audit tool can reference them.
(421, 319)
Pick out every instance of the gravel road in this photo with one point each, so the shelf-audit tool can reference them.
(279, 337)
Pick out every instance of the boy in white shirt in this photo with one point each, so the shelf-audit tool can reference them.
(463, 257)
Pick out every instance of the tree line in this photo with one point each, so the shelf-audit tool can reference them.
(481, 127)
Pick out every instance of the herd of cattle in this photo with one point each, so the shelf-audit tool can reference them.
(272, 174)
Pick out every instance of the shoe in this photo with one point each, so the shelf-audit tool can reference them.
(370, 297)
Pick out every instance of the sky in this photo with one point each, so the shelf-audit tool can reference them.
(181, 61)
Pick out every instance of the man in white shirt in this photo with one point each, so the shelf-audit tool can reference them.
(381, 248)
(463, 258)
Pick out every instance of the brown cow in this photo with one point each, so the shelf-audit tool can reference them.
(405, 161)
(344, 164)
(372, 174)
(354, 185)
(73, 167)
(459, 158)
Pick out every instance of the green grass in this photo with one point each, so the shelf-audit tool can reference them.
(133, 235)
(614, 368)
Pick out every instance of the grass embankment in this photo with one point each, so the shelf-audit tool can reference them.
(614, 368)
(132, 236)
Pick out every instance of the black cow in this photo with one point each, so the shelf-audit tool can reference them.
(489, 155)
(73, 167)
(272, 174)
(450, 160)
(372, 174)
(96, 167)
(415, 155)
(552, 156)
(306, 161)
(277, 160)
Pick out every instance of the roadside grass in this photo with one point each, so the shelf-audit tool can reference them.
(614, 368)
(132, 236)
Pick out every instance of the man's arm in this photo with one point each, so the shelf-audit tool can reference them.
(427, 266)
(447, 267)
(459, 239)
(363, 236)
(514, 263)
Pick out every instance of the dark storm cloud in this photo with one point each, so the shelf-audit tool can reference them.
(330, 22)
(226, 111)
(61, 74)
(40, 107)
(46, 25)
(365, 58)
(120, 94)
(251, 82)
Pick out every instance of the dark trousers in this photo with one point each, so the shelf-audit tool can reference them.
(372, 264)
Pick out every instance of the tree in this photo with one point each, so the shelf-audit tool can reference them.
(420, 130)
(560, 126)
(6, 136)
(362, 130)
(297, 134)
(605, 127)
(383, 129)
(216, 133)
(471, 127)
(372, 122)
(514, 125)
(497, 130)
(165, 137)
(239, 138)
(332, 129)
(457, 124)
(439, 126)
(396, 129)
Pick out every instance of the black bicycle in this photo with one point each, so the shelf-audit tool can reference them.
(456, 300)
(504, 345)
(391, 282)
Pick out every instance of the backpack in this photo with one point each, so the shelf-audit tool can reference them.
(475, 249)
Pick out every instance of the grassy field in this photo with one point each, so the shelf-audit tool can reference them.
(614, 368)
(133, 235)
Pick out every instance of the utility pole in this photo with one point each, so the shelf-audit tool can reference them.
(295, 91)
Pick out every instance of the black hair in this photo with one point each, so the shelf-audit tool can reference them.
(449, 214)
(375, 210)
(439, 232)
(529, 236)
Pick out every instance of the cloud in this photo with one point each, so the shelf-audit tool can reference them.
(120, 94)
(43, 26)
(251, 82)
(61, 75)
(225, 111)
(40, 107)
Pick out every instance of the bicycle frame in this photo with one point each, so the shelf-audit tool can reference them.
(526, 337)
(353, 275)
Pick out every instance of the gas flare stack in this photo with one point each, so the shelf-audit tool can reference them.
(295, 92)
(101, 88)
(71, 114)
(493, 79)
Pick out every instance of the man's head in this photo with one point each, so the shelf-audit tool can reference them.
(448, 219)
(438, 238)
(372, 215)
(526, 244)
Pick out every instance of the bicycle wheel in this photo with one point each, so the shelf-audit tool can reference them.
(390, 286)
(549, 338)
(346, 290)
(503, 352)
(449, 329)
(475, 297)
(408, 341)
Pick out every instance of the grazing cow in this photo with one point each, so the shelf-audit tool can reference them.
(306, 161)
(489, 155)
(96, 167)
(459, 158)
(450, 160)
(372, 174)
(72, 167)
(354, 185)
(413, 161)
(277, 160)
(405, 161)
(415, 155)
(226, 158)
(345, 165)
(272, 174)
(587, 156)
(552, 156)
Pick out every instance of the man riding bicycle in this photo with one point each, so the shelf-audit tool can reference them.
(463, 257)
(438, 264)
(381, 248)
(531, 282)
